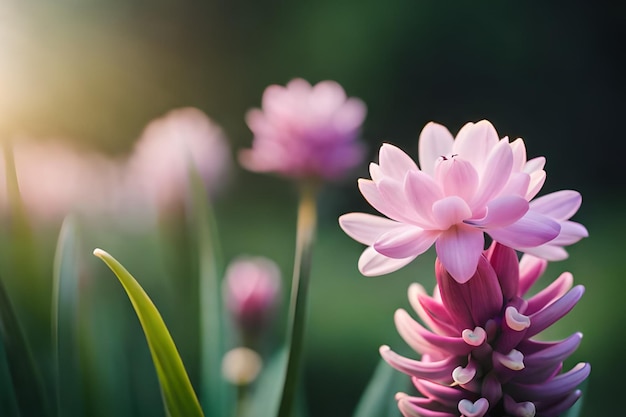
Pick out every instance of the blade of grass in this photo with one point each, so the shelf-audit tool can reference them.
(378, 398)
(65, 322)
(8, 401)
(27, 382)
(218, 397)
(178, 395)
(305, 235)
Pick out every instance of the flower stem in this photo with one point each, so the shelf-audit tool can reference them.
(305, 235)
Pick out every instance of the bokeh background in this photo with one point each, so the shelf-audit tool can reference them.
(95, 72)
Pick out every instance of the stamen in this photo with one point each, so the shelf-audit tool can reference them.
(462, 376)
(514, 360)
(474, 337)
(473, 409)
(515, 320)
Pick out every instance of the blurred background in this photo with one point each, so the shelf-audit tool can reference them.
(94, 73)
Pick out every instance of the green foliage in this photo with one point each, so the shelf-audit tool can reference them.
(217, 395)
(378, 398)
(27, 384)
(178, 394)
(64, 322)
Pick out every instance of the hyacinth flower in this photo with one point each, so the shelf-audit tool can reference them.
(308, 134)
(305, 131)
(479, 355)
(251, 290)
(465, 187)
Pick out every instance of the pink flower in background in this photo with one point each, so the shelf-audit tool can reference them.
(479, 356)
(468, 186)
(305, 131)
(251, 288)
(56, 179)
(157, 171)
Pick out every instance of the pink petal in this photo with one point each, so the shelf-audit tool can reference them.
(560, 205)
(372, 263)
(519, 154)
(405, 242)
(518, 185)
(533, 229)
(537, 179)
(474, 142)
(373, 196)
(535, 164)
(392, 192)
(548, 252)
(459, 250)
(457, 177)
(530, 269)
(496, 173)
(422, 192)
(571, 232)
(450, 211)
(434, 141)
(394, 162)
(501, 212)
(366, 228)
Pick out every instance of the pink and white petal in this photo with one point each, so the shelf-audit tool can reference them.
(392, 192)
(518, 185)
(375, 172)
(366, 228)
(530, 269)
(496, 173)
(532, 230)
(459, 250)
(450, 211)
(571, 232)
(537, 179)
(535, 164)
(422, 192)
(435, 141)
(457, 176)
(474, 142)
(519, 154)
(394, 162)
(373, 196)
(560, 205)
(548, 251)
(405, 242)
(502, 211)
(372, 263)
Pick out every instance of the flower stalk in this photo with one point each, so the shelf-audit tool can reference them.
(305, 235)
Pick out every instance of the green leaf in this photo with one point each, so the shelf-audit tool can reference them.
(65, 322)
(8, 401)
(218, 396)
(268, 387)
(178, 394)
(378, 399)
(27, 383)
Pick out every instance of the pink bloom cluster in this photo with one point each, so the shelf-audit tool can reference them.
(479, 357)
(305, 131)
(466, 186)
(251, 290)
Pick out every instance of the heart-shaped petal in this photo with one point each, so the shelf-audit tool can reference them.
(477, 408)
(474, 337)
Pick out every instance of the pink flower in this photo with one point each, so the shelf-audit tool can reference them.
(158, 169)
(479, 355)
(251, 292)
(466, 187)
(305, 131)
(56, 179)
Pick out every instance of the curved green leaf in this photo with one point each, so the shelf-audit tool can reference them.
(218, 396)
(65, 323)
(178, 394)
(378, 398)
(8, 401)
(27, 383)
